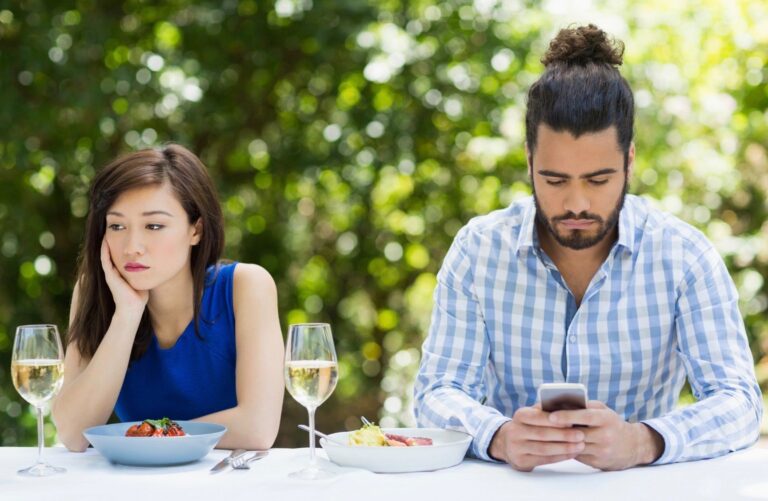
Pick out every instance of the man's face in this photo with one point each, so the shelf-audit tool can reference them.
(578, 184)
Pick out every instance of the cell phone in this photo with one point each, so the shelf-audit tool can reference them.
(562, 396)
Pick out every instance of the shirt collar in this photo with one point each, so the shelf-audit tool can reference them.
(527, 238)
(627, 225)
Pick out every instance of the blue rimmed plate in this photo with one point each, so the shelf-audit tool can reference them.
(111, 442)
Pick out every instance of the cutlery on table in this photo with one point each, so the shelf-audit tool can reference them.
(222, 465)
(242, 462)
(323, 435)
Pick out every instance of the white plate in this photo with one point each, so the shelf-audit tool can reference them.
(111, 442)
(448, 449)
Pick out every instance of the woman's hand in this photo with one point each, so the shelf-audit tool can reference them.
(127, 299)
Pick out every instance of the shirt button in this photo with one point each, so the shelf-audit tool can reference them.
(573, 338)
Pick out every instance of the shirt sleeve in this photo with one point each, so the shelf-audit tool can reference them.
(713, 346)
(450, 384)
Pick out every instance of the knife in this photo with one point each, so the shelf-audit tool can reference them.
(222, 465)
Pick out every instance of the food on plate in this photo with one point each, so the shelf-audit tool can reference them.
(156, 428)
(399, 440)
(371, 435)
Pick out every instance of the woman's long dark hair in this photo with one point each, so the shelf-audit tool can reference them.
(189, 180)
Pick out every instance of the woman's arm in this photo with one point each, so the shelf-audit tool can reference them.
(91, 388)
(254, 422)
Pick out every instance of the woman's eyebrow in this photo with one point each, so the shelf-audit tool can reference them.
(147, 213)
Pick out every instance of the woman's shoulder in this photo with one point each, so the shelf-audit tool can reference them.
(248, 275)
(254, 290)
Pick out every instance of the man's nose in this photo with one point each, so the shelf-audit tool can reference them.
(576, 201)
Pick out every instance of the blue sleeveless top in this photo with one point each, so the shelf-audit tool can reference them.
(195, 376)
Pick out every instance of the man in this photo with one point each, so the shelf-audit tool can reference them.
(583, 283)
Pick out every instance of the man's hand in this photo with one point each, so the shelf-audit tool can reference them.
(531, 440)
(611, 442)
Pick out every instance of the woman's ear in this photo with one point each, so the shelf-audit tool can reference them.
(197, 231)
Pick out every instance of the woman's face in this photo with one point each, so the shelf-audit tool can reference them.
(149, 236)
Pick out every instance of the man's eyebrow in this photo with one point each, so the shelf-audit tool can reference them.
(147, 213)
(551, 173)
(601, 172)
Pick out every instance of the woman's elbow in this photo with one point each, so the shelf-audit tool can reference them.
(73, 442)
(257, 438)
(260, 439)
(257, 444)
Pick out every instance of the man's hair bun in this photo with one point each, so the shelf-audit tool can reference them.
(583, 45)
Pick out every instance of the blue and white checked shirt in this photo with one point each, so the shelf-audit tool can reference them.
(660, 308)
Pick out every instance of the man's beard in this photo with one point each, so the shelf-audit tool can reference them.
(577, 240)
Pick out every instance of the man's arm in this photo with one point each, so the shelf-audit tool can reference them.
(450, 385)
(713, 346)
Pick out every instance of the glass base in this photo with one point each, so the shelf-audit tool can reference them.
(311, 474)
(41, 470)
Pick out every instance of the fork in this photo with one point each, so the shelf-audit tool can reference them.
(241, 462)
(322, 435)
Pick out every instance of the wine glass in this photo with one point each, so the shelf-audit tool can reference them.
(311, 371)
(37, 369)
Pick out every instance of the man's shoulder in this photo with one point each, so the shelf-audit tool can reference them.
(656, 225)
(507, 221)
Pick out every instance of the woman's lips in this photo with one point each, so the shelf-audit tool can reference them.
(577, 224)
(135, 267)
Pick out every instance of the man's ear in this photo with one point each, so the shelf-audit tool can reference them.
(197, 232)
(630, 161)
(529, 160)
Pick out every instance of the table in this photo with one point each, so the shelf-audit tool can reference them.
(741, 475)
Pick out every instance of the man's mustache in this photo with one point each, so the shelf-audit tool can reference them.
(582, 216)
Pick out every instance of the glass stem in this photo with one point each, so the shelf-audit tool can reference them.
(312, 460)
(40, 435)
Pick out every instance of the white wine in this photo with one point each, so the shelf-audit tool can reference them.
(310, 382)
(37, 380)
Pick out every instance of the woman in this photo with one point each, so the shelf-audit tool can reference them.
(157, 326)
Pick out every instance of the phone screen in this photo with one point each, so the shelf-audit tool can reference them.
(558, 398)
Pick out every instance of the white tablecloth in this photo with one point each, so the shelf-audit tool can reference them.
(742, 475)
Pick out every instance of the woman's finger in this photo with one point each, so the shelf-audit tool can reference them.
(107, 265)
(104, 255)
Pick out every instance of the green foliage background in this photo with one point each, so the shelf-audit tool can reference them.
(349, 141)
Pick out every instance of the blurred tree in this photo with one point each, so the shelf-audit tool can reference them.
(350, 140)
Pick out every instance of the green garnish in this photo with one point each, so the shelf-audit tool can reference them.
(160, 423)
